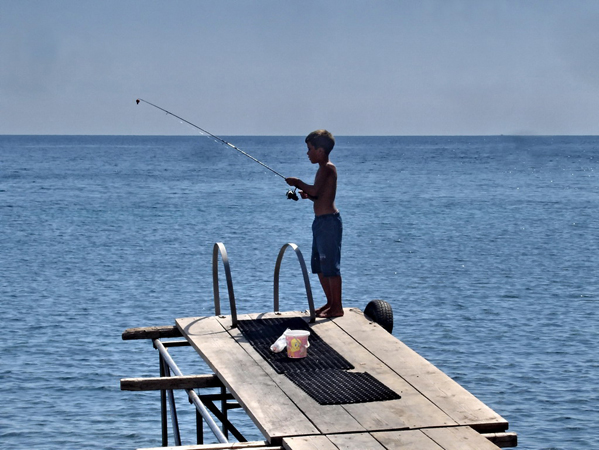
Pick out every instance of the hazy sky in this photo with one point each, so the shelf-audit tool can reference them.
(276, 67)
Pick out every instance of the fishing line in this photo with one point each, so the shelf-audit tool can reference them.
(218, 139)
(290, 194)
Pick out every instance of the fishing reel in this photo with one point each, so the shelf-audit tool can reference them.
(291, 195)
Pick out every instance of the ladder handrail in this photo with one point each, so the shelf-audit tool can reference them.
(304, 272)
(220, 247)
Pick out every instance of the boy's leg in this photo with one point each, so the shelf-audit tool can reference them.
(326, 258)
(332, 287)
(324, 282)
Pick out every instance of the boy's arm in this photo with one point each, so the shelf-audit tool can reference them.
(306, 196)
(312, 190)
(296, 182)
(303, 187)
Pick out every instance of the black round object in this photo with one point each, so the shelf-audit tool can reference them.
(380, 311)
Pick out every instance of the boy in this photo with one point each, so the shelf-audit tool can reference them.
(327, 228)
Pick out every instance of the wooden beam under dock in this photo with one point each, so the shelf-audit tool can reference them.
(506, 439)
(167, 331)
(169, 383)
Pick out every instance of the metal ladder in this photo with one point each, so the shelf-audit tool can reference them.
(219, 247)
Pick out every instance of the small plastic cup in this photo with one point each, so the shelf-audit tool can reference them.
(297, 343)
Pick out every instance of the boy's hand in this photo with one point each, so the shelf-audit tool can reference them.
(292, 181)
(303, 195)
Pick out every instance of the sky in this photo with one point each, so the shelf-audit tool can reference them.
(283, 67)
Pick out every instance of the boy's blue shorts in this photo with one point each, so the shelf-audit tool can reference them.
(327, 231)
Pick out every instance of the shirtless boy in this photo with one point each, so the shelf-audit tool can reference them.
(327, 228)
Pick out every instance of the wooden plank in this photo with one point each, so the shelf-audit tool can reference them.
(459, 438)
(355, 441)
(263, 400)
(199, 326)
(168, 331)
(412, 410)
(406, 440)
(163, 383)
(327, 418)
(449, 438)
(459, 404)
(309, 443)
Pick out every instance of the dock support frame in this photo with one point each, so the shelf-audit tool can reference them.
(193, 397)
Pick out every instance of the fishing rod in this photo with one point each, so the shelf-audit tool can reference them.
(290, 194)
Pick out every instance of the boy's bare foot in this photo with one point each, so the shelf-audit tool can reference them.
(330, 313)
(322, 309)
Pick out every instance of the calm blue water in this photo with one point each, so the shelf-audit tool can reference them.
(486, 247)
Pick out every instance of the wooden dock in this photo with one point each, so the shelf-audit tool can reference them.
(434, 412)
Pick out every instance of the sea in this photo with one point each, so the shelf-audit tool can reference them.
(486, 247)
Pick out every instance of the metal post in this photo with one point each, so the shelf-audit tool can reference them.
(224, 409)
(163, 418)
(199, 428)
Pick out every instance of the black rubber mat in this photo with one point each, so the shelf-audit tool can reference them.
(262, 333)
(335, 387)
(323, 374)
